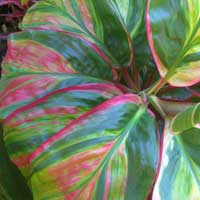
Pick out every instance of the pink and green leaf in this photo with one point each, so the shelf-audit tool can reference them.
(174, 39)
(30, 125)
(93, 20)
(98, 155)
(40, 51)
(17, 91)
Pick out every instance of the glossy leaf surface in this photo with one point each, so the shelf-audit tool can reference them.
(17, 91)
(131, 13)
(187, 119)
(45, 53)
(42, 115)
(174, 33)
(98, 154)
(179, 176)
(93, 20)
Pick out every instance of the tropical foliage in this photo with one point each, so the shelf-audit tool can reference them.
(100, 100)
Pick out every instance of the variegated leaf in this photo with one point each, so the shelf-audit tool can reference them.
(40, 51)
(104, 152)
(94, 21)
(179, 174)
(187, 119)
(48, 112)
(17, 91)
(173, 28)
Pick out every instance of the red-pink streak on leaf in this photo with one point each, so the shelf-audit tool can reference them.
(104, 89)
(32, 55)
(27, 90)
(59, 111)
(72, 170)
(89, 43)
(162, 70)
(127, 98)
(107, 183)
(85, 14)
(21, 161)
(88, 191)
(69, 8)
(72, 195)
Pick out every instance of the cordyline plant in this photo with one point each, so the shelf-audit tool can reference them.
(99, 99)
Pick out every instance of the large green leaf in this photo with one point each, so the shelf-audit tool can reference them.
(179, 175)
(173, 28)
(187, 119)
(104, 153)
(94, 21)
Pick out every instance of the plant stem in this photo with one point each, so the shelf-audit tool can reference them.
(154, 90)
(128, 79)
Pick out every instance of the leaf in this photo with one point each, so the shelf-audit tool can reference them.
(104, 153)
(92, 20)
(168, 107)
(187, 119)
(179, 175)
(12, 183)
(46, 115)
(34, 51)
(131, 13)
(17, 91)
(173, 34)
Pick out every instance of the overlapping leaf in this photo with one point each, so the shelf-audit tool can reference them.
(173, 31)
(179, 176)
(131, 12)
(187, 119)
(20, 90)
(41, 51)
(99, 155)
(93, 20)
(28, 126)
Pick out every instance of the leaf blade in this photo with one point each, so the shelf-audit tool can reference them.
(84, 19)
(102, 143)
(186, 119)
(180, 160)
(178, 39)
